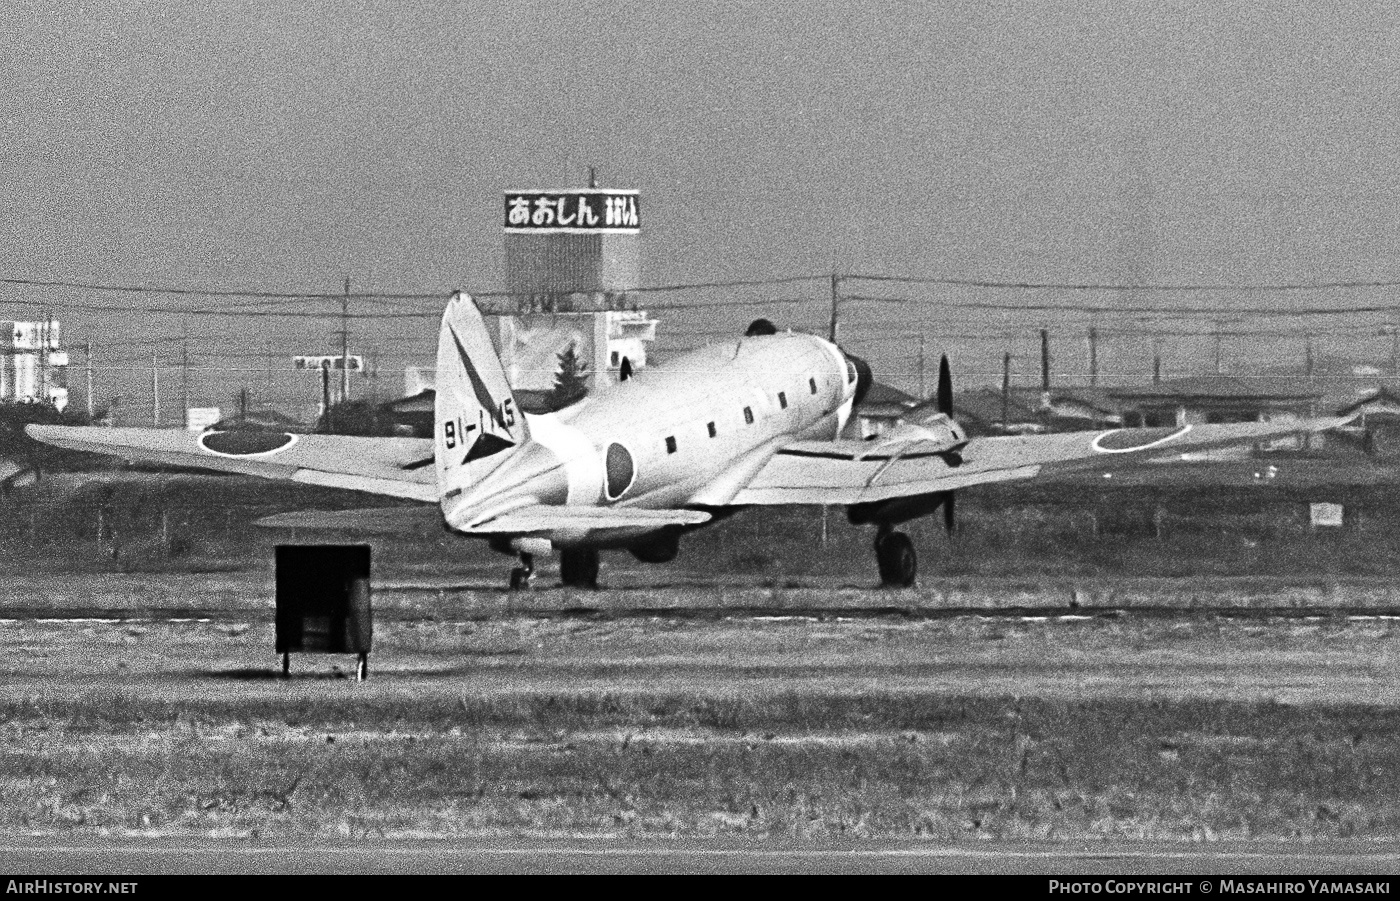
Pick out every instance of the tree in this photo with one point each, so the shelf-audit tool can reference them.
(356, 417)
(570, 379)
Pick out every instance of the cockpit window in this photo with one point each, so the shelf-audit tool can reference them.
(850, 372)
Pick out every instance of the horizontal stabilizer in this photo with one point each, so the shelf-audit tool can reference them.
(402, 521)
(543, 518)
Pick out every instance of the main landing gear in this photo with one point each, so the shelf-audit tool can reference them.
(578, 567)
(520, 576)
(894, 552)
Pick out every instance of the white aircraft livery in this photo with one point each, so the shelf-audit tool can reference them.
(637, 463)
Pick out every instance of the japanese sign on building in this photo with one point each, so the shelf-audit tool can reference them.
(590, 210)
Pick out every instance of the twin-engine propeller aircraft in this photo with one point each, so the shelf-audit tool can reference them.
(752, 421)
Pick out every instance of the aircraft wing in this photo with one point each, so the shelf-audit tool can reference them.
(855, 472)
(394, 467)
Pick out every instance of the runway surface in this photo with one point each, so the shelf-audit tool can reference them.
(1230, 744)
(120, 856)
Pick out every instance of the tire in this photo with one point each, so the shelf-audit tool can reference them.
(898, 562)
(519, 578)
(578, 567)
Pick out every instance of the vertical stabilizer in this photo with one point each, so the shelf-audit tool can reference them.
(478, 425)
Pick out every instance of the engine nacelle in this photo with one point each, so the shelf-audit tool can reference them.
(661, 548)
(896, 510)
(936, 432)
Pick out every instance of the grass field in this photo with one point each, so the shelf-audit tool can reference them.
(945, 730)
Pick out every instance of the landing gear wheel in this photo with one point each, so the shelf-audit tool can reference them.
(521, 575)
(578, 567)
(899, 564)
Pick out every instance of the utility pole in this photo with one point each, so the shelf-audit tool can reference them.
(155, 392)
(326, 396)
(1395, 342)
(923, 342)
(92, 407)
(1219, 339)
(345, 343)
(1312, 401)
(43, 386)
(1156, 361)
(267, 386)
(1093, 357)
(1005, 386)
(835, 331)
(1045, 360)
(185, 376)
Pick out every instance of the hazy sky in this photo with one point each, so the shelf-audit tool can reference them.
(282, 146)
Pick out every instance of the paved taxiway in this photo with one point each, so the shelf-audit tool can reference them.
(123, 856)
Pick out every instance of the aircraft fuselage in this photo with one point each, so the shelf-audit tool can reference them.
(690, 433)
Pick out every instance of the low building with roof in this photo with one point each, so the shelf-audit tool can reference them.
(882, 408)
(1218, 399)
(1071, 409)
(987, 411)
(1375, 424)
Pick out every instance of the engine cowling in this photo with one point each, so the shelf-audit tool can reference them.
(865, 376)
(661, 548)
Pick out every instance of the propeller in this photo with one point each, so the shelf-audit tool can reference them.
(945, 406)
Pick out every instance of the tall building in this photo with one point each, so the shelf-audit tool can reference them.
(32, 367)
(567, 251)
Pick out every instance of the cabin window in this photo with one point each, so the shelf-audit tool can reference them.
(711, 427)
(671, 444)
(614, 358)
(748, 415)
(782, 399)
(812, 383)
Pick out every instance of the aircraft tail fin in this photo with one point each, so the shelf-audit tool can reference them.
(477, 423)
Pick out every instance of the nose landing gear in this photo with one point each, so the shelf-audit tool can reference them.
(894, 552)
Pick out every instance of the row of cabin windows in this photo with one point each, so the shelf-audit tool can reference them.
(748, 417)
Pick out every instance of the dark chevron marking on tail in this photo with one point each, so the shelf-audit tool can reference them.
(483, 394)
(487, 445)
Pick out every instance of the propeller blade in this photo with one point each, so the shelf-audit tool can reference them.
(949, 513)
(945, 387)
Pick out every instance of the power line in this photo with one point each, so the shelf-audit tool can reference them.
(1149, 311)
(1346, 284)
